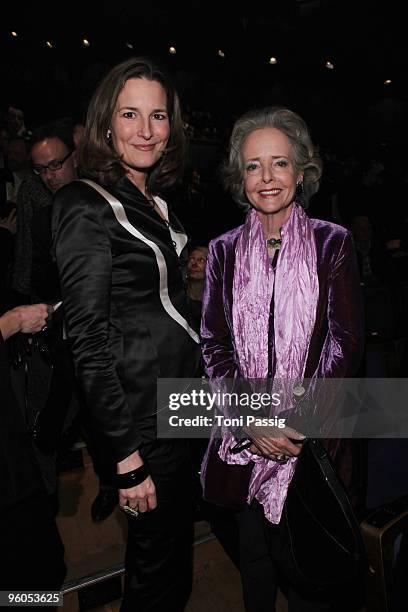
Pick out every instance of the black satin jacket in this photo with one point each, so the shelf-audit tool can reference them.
(126, 310)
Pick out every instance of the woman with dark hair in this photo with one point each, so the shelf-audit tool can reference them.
(281, 305)
(106, 155)
(118, 250)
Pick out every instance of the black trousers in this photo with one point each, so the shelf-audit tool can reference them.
(158, 563)
(264, 563)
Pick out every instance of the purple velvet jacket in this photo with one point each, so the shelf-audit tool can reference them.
(337, 341)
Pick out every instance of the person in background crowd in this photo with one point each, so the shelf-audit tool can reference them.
(196, 272)
(118, 250)
(53, 154)
(78, 133)
(54, 158)
(32, 196)
(8, 224)
(18, 165)
(32, 553)
(12, 126)
(11, 176)
(196, 263)
(49, 382)
(370, 256)
(14, 122)
(43, 379)
(281, 302)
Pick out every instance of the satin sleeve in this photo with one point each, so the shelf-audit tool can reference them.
(84, 259)
(217, 346)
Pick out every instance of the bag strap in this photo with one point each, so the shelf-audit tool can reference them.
(325, 464)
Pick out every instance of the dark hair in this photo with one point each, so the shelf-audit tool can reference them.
(60, 128)
(98, 159)
(306, 158)
(202, 248)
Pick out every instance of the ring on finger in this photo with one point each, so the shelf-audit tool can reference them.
(130, 511)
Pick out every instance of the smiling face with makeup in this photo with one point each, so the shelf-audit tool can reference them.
(140, 127)
(270, 175)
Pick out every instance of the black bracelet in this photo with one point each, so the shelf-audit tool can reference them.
(133, 478)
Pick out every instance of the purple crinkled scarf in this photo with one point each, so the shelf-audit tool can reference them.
(296, 296)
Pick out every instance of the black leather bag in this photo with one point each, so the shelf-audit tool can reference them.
(322, 535)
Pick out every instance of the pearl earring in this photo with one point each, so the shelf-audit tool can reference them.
(108, 134)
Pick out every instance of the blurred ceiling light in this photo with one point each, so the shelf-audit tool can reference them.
(49, 44)
(172, 50)
(129, 45)
(14, 34)
(273, 60)
(221, 53)
(387, 82)
(86, 42)
(330, 65)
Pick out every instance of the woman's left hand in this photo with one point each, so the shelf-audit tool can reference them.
(288, 444)
(142, 497)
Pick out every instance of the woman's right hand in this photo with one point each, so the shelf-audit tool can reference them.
(288, 444)
(142, 497)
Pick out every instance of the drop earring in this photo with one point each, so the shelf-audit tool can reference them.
(109, 134)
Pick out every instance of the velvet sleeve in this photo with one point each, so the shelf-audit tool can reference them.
(340, 358)
(84, 259)
(343, 344)
(217, 346)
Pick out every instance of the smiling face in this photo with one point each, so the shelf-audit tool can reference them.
(140, 127)
(270, 175)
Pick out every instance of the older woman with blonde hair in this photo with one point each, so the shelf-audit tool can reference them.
(281, 302)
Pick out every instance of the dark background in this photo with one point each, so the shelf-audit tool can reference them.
(353, 115)
(366, 41)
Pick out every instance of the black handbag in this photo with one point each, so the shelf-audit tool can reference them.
(225, 485)
(322, 535)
